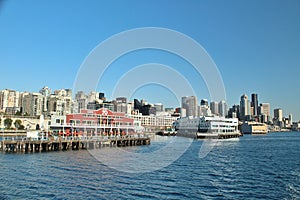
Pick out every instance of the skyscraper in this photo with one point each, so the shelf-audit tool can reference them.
(254, 104)
(223, 108)
(244, 107)
(204, 109)
(214, 107)
(278, 114)
(265, 111)
(190, 103)
(159, 107)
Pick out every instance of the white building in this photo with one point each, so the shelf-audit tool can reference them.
(152, 122)
(9, 101)
(244, 106)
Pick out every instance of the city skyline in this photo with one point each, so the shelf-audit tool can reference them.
(255, 47)
(11, 101)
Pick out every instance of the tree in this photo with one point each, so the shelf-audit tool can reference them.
(7, 123)
(18, 124)
(18, 113)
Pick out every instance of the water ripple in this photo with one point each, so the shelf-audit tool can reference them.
(265, 167)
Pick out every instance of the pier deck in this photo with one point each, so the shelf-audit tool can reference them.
(63, 144)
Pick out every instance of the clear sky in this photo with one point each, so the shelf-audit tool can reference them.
(254, 43)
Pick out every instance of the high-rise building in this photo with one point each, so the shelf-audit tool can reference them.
(223, 108)
(244, 107)
(214, 107)
(181, 111)
(291, 118)
(190, 103)
(143, 107)
(254, 104)
(121, 100)
(32, 104)
(102, 96)
(9, 101)
(159, 107)
(46, 91)
(204, 102)
(278, 114)
(234, 112)
(121, 104)
(204, 109)
(265, 111)
(278, 117)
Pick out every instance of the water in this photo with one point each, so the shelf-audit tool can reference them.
(255, 167)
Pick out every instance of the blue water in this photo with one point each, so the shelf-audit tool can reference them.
(255, 167)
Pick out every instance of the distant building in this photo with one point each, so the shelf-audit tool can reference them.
(223, 108)
(203, 109)
(190, 104)
(265, 112)
(278, 117)
(154, 123)
(102, 96)
(181, 111)
(244, 108)
(254, 104)
(144, 108)
(170, 110)
(45, 91)
(296, 126)
(32, 104)
(278, 114)
(214, 107)
(254, 128)
(234, 112)
(9, 101)
(204, 102)
(159, 107)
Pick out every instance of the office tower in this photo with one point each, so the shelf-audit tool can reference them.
(290, 118)
(204, 102)
(254, 104)
(32, 104)
(159, 107)
(203, 109)
(121, 104)
(190, 103)
(244, 107)
(9, 101)
(265, 111)
(101, 96)
(214, 107)
(223, 108)
(234, 112)
(278, 114)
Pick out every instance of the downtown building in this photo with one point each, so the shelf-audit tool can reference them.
(190, 104)
(9, 101)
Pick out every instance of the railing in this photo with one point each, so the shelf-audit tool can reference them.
(68, 138)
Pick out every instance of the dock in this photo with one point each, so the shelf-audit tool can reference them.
(64, 144)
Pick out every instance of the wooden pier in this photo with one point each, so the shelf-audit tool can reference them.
(64, 144)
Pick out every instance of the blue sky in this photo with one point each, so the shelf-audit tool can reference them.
(255, 44)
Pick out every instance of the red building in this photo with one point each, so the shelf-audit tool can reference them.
(96, 122)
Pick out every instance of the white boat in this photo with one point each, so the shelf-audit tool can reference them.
(208, 127)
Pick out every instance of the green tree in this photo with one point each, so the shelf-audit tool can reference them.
(18, 124)
(18, 113)
(7, 123)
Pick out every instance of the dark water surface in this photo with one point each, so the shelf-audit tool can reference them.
(255, 167)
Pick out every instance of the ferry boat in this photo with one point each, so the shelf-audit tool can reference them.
(207, 127)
